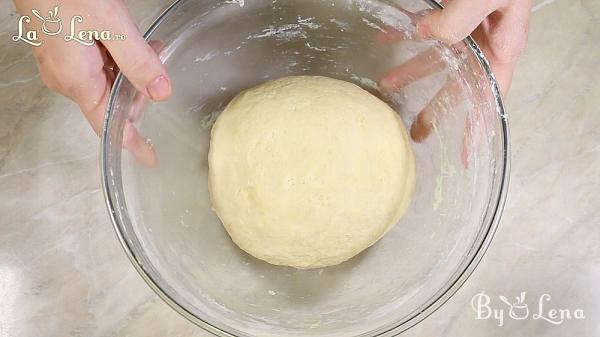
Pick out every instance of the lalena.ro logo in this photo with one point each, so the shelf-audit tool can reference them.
(53, 25)
(518, 309)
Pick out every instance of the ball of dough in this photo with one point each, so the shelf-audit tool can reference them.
(308, 171)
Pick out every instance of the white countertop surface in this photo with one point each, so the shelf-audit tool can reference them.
(63, 272)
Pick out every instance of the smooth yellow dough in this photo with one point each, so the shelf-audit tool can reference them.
(308, 171)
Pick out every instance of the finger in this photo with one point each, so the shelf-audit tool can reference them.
(137, 105)
(503, 73)
(135, 58)
(503, 38)
(139, 147)
(422, 65)
(139, 100)
(391, 34)
(456, 21)
(92, 96)
(158, 47)
(444, 100)
(502, 66)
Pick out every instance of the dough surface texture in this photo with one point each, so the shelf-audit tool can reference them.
(308, 171)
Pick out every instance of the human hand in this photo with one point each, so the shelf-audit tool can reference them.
(498, 26)
(85, 74)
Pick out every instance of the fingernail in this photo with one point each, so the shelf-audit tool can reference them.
(160, 88)
(422, 126)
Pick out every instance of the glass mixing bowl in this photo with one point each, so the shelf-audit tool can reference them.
(446, 96)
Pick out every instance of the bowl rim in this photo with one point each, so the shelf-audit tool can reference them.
(435, 301)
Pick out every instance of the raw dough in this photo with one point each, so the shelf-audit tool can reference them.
(308, 171)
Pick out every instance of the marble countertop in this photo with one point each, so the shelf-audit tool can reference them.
(63, 273)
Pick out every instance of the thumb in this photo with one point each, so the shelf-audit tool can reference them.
(456, 21)
(136, 58)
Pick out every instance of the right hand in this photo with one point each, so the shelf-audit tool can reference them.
(500, 29)
(85, 74)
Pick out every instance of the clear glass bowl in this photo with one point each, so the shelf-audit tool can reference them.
(214, 49)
